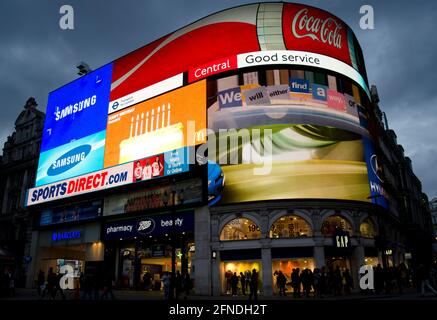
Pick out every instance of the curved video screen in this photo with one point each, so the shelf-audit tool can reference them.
(288, 134)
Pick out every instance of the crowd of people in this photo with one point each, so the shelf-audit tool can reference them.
(248, 282)
(336, 281)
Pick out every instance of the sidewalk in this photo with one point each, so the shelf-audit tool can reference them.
(31, 294)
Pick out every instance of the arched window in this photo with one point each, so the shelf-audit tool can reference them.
(367, 228)
(240, 229)
(290, 226)
(333, 223)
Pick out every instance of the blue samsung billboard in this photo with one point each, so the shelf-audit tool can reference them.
(75, 128)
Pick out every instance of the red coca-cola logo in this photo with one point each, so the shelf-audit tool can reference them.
(324, 30)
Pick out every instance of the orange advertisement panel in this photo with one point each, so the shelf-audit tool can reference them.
(168, 122)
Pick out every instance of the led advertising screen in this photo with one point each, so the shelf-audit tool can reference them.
(74, 131)
(171, 121)
(290, 138)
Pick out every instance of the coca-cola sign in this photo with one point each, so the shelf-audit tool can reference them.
(324, 30)
(310, 29)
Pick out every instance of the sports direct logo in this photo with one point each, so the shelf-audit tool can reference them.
(324, 30)
(103, 179)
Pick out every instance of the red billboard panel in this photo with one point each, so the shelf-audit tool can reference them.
(310, 29)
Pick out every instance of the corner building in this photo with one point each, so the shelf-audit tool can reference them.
(293, 180)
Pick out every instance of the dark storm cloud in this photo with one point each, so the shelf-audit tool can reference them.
(36, 56)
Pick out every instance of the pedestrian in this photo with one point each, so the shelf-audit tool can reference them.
(234, 284)
(317, 280)
(51, 283)
(247, 276)
(281, 280)
(423, 275)
(243, 283)
(186, 284)
(254, 285)
(178, 284)
(348, 282)
(58, 287)
(87, 286)
(295, 282)
(40, 282)
(147, 280)
(166, 283)
(107, 287)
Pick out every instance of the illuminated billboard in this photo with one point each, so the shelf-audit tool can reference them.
(74, 131)
(171, 121)
(289, 138)
(138, 115)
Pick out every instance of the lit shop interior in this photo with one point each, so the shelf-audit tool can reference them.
(132, 260)
(286, 258)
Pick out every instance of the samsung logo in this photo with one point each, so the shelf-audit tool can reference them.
(69, 159)
(74, 108)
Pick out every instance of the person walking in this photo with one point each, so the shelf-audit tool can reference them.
(317, 282)
(57, 287)
(243, 283)
(40, 282)
(423, 278)
(186, 284)
(254, 285)
(281, 280)
(107, 287)
(166, 283)
(234, 284)
(295, 282)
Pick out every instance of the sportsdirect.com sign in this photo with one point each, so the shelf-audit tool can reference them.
(174, 162)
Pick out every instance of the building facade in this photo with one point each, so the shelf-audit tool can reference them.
(296, 170)
(17, 174)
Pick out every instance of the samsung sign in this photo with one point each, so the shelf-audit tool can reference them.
(150, 226)
(65, 235)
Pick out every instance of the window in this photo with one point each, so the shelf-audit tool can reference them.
(333, 223)
(240, 229)
(290, 226)
(367, 228)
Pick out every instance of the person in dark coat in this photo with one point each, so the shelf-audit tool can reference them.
(295, 282)
(243, 283)
(254, 285)
(281, 280)
(234, 284)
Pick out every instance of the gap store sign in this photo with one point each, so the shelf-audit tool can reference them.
(150, 226)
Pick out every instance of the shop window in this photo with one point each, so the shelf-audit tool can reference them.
(290, 226)
(367, 228)
(333, 223)
(240, 229)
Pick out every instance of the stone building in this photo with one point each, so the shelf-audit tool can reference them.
(17, 174)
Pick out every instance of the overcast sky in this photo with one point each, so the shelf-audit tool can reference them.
(36, 56)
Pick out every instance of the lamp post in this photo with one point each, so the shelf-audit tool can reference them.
(173, 243)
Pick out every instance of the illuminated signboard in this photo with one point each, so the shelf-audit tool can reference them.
(149, 226)
(320, 145)
(108, 178)
(130, 116)
(171, 121)
(74, 131)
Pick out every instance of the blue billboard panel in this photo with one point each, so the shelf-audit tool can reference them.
(176, 161)
(78, 109)
(375, 174)
(72, 159)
